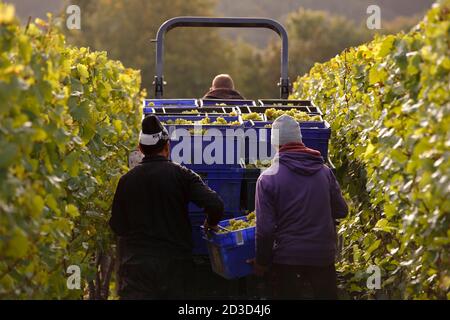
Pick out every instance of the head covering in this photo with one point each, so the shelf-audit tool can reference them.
(285, 130)
(153, 132)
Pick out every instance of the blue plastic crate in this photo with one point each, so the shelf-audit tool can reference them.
(226, 182)
(149, 110)
(316, 135)
(212, 111)
(197, 220)
(229, 252)
(218, 146)
(302, 105)
(171, 102)
(158, 106)
(195, 117)
(227, 102)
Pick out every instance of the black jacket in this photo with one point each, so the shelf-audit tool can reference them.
(150, 209)
(226, 94)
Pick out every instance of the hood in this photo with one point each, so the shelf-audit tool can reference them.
(301, 163)
(223, 94)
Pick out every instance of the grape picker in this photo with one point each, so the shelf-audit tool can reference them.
(150, 218)
(297, 201)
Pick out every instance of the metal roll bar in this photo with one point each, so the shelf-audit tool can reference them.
(222, 23)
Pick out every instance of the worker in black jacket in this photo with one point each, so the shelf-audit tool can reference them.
(150, 218)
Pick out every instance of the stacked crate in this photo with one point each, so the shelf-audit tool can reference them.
(224, 177)
(234, 180)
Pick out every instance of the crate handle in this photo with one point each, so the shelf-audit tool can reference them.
(284, 84)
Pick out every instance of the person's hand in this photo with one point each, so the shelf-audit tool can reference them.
(258, 269)
(209, 227)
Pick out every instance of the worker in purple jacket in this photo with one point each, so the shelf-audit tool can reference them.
(297, 202)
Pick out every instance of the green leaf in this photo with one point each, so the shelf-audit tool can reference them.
(374, 246)
(383, 225)
(18, 244)
(389, 210)
(8, 153)
(369, 150)
(385, 46)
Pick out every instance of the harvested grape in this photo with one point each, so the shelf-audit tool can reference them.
(191, 112)
(298, 115)
(252, 116)
(220, 121)
(234, 225)
(197, 132)
(178, 121)
(205, 120)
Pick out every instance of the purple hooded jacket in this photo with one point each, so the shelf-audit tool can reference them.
(297, 202)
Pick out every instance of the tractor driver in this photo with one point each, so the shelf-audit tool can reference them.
(223, 88)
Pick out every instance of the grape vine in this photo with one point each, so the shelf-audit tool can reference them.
(388, 103)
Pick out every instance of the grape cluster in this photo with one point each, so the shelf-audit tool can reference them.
(273, 113)
(222, 121)
(258, 164)
(252, 116)
(235, 225)
(191, 112)
(178, 121)
(197, 132)
(204, 121)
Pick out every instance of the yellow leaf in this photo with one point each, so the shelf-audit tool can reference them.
(385, 46)
(52, 204)
(37, 205)
(125, 78)
(370, 150)
(18, 244)
(41, 22)
(446, 63)
(7, 14)
(39, 135)
(412, 70)
(117, 125)
(389, 210)
(72, 211)
(376, 76)
(83, 72)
